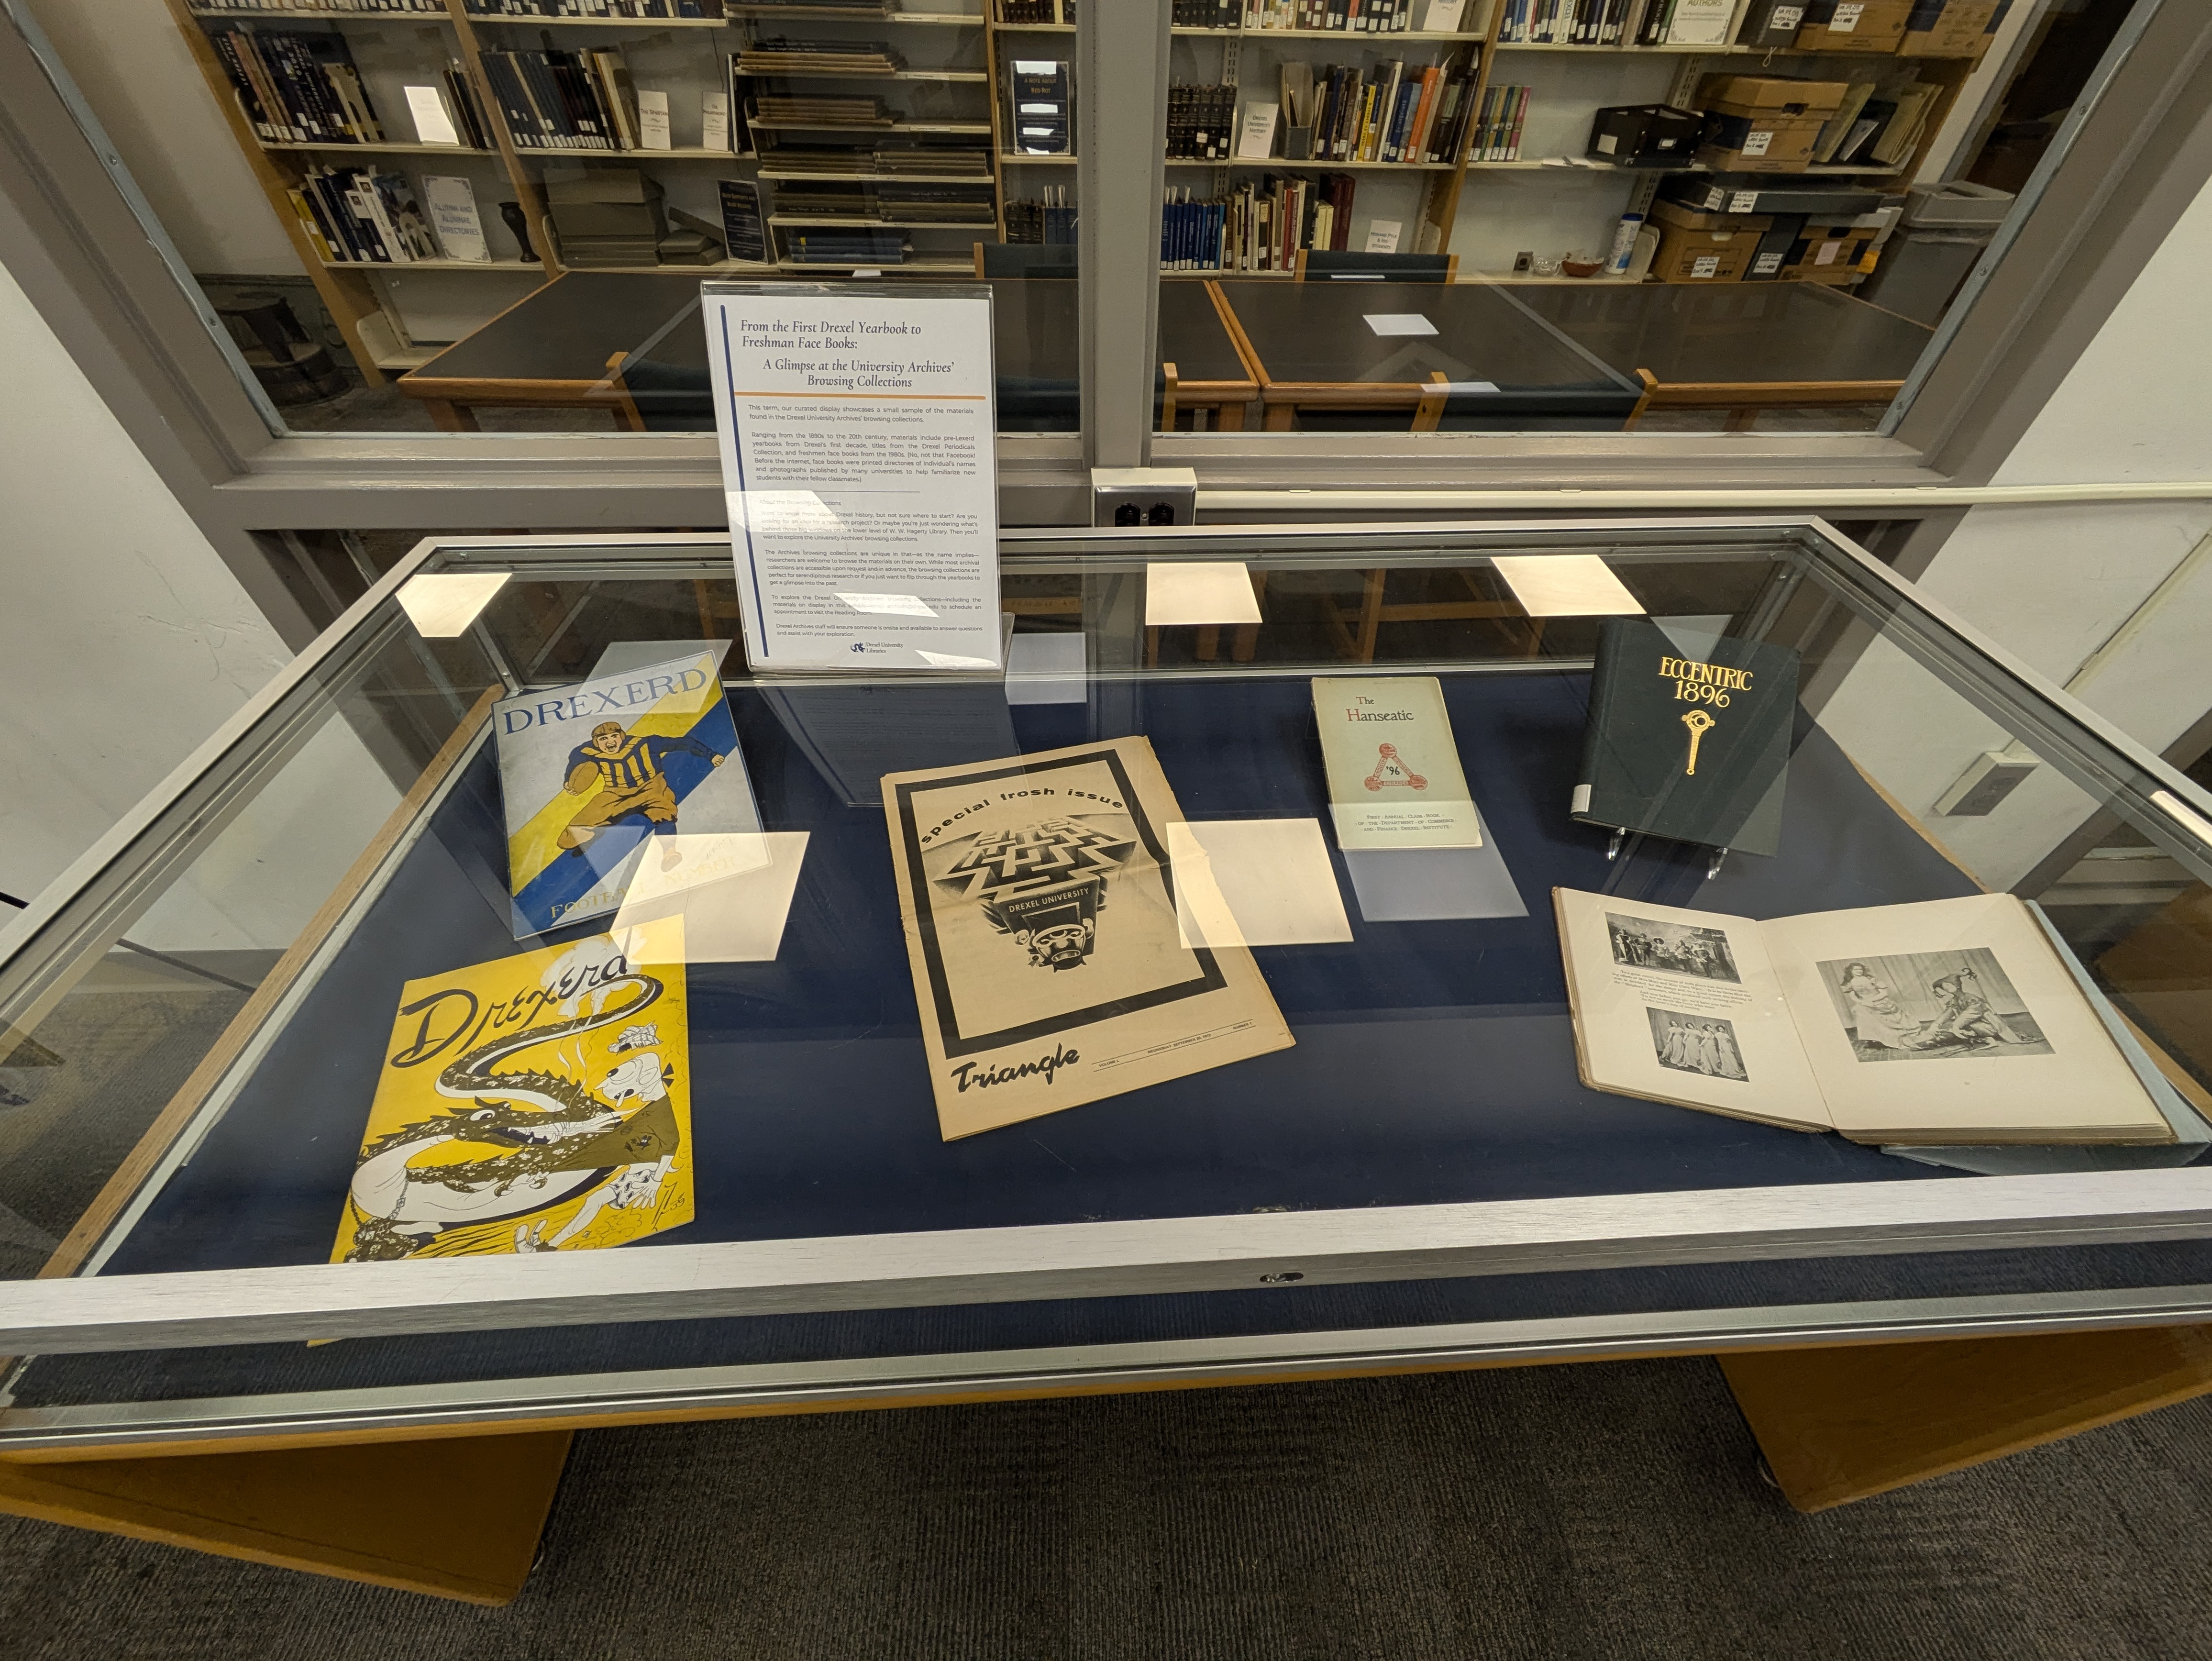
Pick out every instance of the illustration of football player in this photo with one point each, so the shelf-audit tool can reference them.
(627, 773)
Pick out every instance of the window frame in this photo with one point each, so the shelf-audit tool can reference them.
(2140, 152)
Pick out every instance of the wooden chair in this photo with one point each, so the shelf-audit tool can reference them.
(1358, 642)
(1334, 263)
(1744, 400)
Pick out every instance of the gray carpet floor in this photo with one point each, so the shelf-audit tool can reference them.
(1589, 1511)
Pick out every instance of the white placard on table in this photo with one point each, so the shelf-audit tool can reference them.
(1390, 325)
(1255, 134)
(433, 122)
(453, 204)
(1199, 591)
(714, 121)
(1383, 235)
(860, 462)
(1566, 586)
(653, 120)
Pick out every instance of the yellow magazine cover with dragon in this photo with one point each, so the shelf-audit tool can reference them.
(538, 1103)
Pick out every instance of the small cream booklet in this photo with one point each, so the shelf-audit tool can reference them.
(1394, 773)
(1945, 1021)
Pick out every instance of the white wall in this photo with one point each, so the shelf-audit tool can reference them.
(126, 641)
(2054, 584)
(135, 70)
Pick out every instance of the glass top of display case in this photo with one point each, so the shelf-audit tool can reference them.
(1316, 942)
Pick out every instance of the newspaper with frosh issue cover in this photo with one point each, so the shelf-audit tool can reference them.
(538, 1103)
(1038, 902)
(1937, 1022)
(593, 773)
(1395, 779)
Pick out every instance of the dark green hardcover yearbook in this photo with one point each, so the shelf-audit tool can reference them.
(1690, 748)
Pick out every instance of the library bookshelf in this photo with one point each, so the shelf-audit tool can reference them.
(954, 88)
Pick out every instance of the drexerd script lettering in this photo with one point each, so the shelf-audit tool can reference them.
(1044, 1067)
(455, 1015)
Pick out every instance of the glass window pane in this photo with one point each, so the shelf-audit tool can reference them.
(1745, 219)
(411, 220)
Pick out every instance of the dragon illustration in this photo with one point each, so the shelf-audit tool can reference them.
(545, 1136)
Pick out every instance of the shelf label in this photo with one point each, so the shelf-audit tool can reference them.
(858, 435)
(1757, 143)
(1846, 19)
(1744, 202)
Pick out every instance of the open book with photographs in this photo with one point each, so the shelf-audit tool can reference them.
(1942, 1022)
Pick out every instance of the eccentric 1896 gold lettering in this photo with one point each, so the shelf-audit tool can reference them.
(1703, 682)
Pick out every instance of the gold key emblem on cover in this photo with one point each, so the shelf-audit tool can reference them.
(1699, 723)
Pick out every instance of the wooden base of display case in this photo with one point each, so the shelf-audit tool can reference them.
(454, 1518)
(1846, 1423)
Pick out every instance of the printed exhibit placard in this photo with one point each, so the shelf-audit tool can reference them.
(858, 432)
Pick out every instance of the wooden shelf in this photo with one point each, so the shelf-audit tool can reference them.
(976, 76)
(968, 127)
(1017, 159)
(682, 153)
(814, 222)
(966, 267)
(785, 178)
(322, 15)
(1277, 162)
(1356, 36)
(959, 20)
(481, 20)
(434, 265)
(720, 268)
(378, 149)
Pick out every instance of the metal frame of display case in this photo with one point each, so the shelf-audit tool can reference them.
(92, 904)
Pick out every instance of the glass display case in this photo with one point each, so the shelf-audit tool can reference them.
(204, 1014)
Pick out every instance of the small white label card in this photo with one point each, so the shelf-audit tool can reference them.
(857, 435)
(434, 123)
(1757, 143)
(1383, 235)
(714, 121)
(653, 120)
(1743, 201)
(1389, 325)
(1846, 20)
(1705, 264)
(1256, 135)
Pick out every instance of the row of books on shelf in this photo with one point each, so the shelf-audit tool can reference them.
(1036, 11)
(1394, 111)
(1199, 121)
(926, 159)
(335, 8)
(297, 88)
(938, 205)
(779, 55)
(1351, 16)
(364, 216)
(1050, 220)
(843, 248)
(1499, 118)
(1259, 226)
(558, 9)
(1609, 22)
(555, 99)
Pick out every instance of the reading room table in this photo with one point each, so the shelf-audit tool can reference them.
(1456, 354)
(630, 344)
(200, 1013)
(1742, 347)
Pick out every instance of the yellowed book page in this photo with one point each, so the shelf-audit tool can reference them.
(1954, 1021)
(1683, 1007)
(1037, 898)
